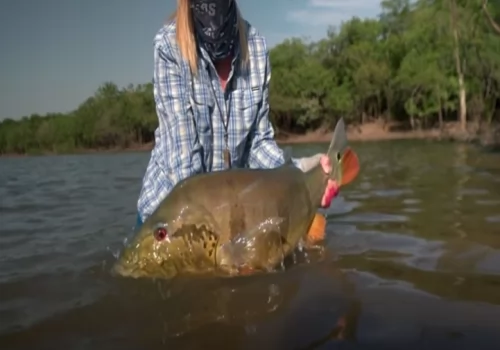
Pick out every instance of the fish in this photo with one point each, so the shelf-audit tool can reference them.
(231, 221)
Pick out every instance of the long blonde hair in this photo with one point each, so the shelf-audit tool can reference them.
(186, 37)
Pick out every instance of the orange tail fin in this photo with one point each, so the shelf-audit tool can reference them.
(350, 166)
(318, 229)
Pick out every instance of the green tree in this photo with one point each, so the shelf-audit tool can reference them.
(424, 64)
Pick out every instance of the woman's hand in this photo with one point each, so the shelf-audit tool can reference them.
(332, 189)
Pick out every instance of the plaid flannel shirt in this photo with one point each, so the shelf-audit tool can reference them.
(190, 135)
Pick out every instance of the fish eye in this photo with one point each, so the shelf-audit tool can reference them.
(339, 156)
(160, 233)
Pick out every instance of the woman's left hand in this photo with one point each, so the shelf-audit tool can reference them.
(332, 189)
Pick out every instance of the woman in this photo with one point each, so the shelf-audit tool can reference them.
(211, 88)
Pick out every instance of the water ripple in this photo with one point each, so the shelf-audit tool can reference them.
(411, 243)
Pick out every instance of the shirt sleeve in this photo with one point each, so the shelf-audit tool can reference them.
(180, 150)
(264, 151)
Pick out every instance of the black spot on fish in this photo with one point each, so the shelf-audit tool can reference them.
(197, 234)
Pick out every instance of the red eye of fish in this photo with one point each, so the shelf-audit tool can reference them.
(160, 233)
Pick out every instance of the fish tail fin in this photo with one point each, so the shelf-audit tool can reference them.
(344, 161)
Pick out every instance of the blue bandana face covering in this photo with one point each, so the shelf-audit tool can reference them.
(216, 25)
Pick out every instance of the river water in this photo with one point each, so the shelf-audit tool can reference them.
(412, 261)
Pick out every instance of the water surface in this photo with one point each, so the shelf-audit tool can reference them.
(412, 261)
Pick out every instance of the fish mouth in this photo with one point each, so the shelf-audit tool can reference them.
(129, 270)
(129, 265)
(125, 270)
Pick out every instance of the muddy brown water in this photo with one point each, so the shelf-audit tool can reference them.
(412, 261)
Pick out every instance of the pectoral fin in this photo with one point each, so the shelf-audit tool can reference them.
(256, 247)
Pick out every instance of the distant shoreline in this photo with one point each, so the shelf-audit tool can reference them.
(369, 132)
(364, 134)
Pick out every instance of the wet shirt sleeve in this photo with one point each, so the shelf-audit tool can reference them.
(180, 151)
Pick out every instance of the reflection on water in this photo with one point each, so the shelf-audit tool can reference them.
(412, 260)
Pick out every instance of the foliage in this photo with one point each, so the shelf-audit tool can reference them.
(419, 63)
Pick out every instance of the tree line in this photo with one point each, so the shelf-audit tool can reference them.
(421, 64)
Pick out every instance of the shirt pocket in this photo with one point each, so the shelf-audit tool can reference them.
(202, 105)
(249, 99)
